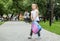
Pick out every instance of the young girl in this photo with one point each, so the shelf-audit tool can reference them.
(34, 17)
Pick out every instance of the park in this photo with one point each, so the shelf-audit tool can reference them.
(14, 26)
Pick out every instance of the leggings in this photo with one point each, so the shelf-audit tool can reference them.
(37, 32)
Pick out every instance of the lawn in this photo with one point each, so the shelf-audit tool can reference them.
(1, 23)
(55, 28)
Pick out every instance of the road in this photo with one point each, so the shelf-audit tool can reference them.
(19, 31)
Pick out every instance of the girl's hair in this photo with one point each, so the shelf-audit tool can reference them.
(36, 5)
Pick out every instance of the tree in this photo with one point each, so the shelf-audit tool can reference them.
(1, 9)
(7, 5)
(57, 9)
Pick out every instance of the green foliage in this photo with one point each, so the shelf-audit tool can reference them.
(1, 9)
(7, 5)
(55, 28)
(15, 6)
(57, 8)
(1, 23)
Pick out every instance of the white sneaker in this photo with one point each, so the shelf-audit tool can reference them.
(30, 37)
(39, 37)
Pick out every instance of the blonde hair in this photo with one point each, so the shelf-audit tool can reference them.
(35, 5)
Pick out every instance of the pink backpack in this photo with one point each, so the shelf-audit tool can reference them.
(34, 28)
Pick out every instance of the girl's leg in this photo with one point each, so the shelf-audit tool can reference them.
(30, 35)
(38, 33)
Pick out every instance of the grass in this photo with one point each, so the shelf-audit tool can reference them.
(1, 23)
(55, 28)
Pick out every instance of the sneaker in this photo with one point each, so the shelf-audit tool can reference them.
(29, 37)
(39, 37)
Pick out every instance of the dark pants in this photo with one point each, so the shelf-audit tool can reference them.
(37, 32)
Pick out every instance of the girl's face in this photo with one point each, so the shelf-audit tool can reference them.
(33, 6)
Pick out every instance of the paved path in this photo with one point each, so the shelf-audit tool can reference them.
(19, 31)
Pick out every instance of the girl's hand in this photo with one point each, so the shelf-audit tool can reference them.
(33, 19)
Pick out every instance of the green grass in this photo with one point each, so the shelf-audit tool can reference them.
(1, 23)
(55, 28)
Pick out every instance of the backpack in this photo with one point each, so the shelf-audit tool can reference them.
(35, 27)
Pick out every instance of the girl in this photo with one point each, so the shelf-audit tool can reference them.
(34, 17)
